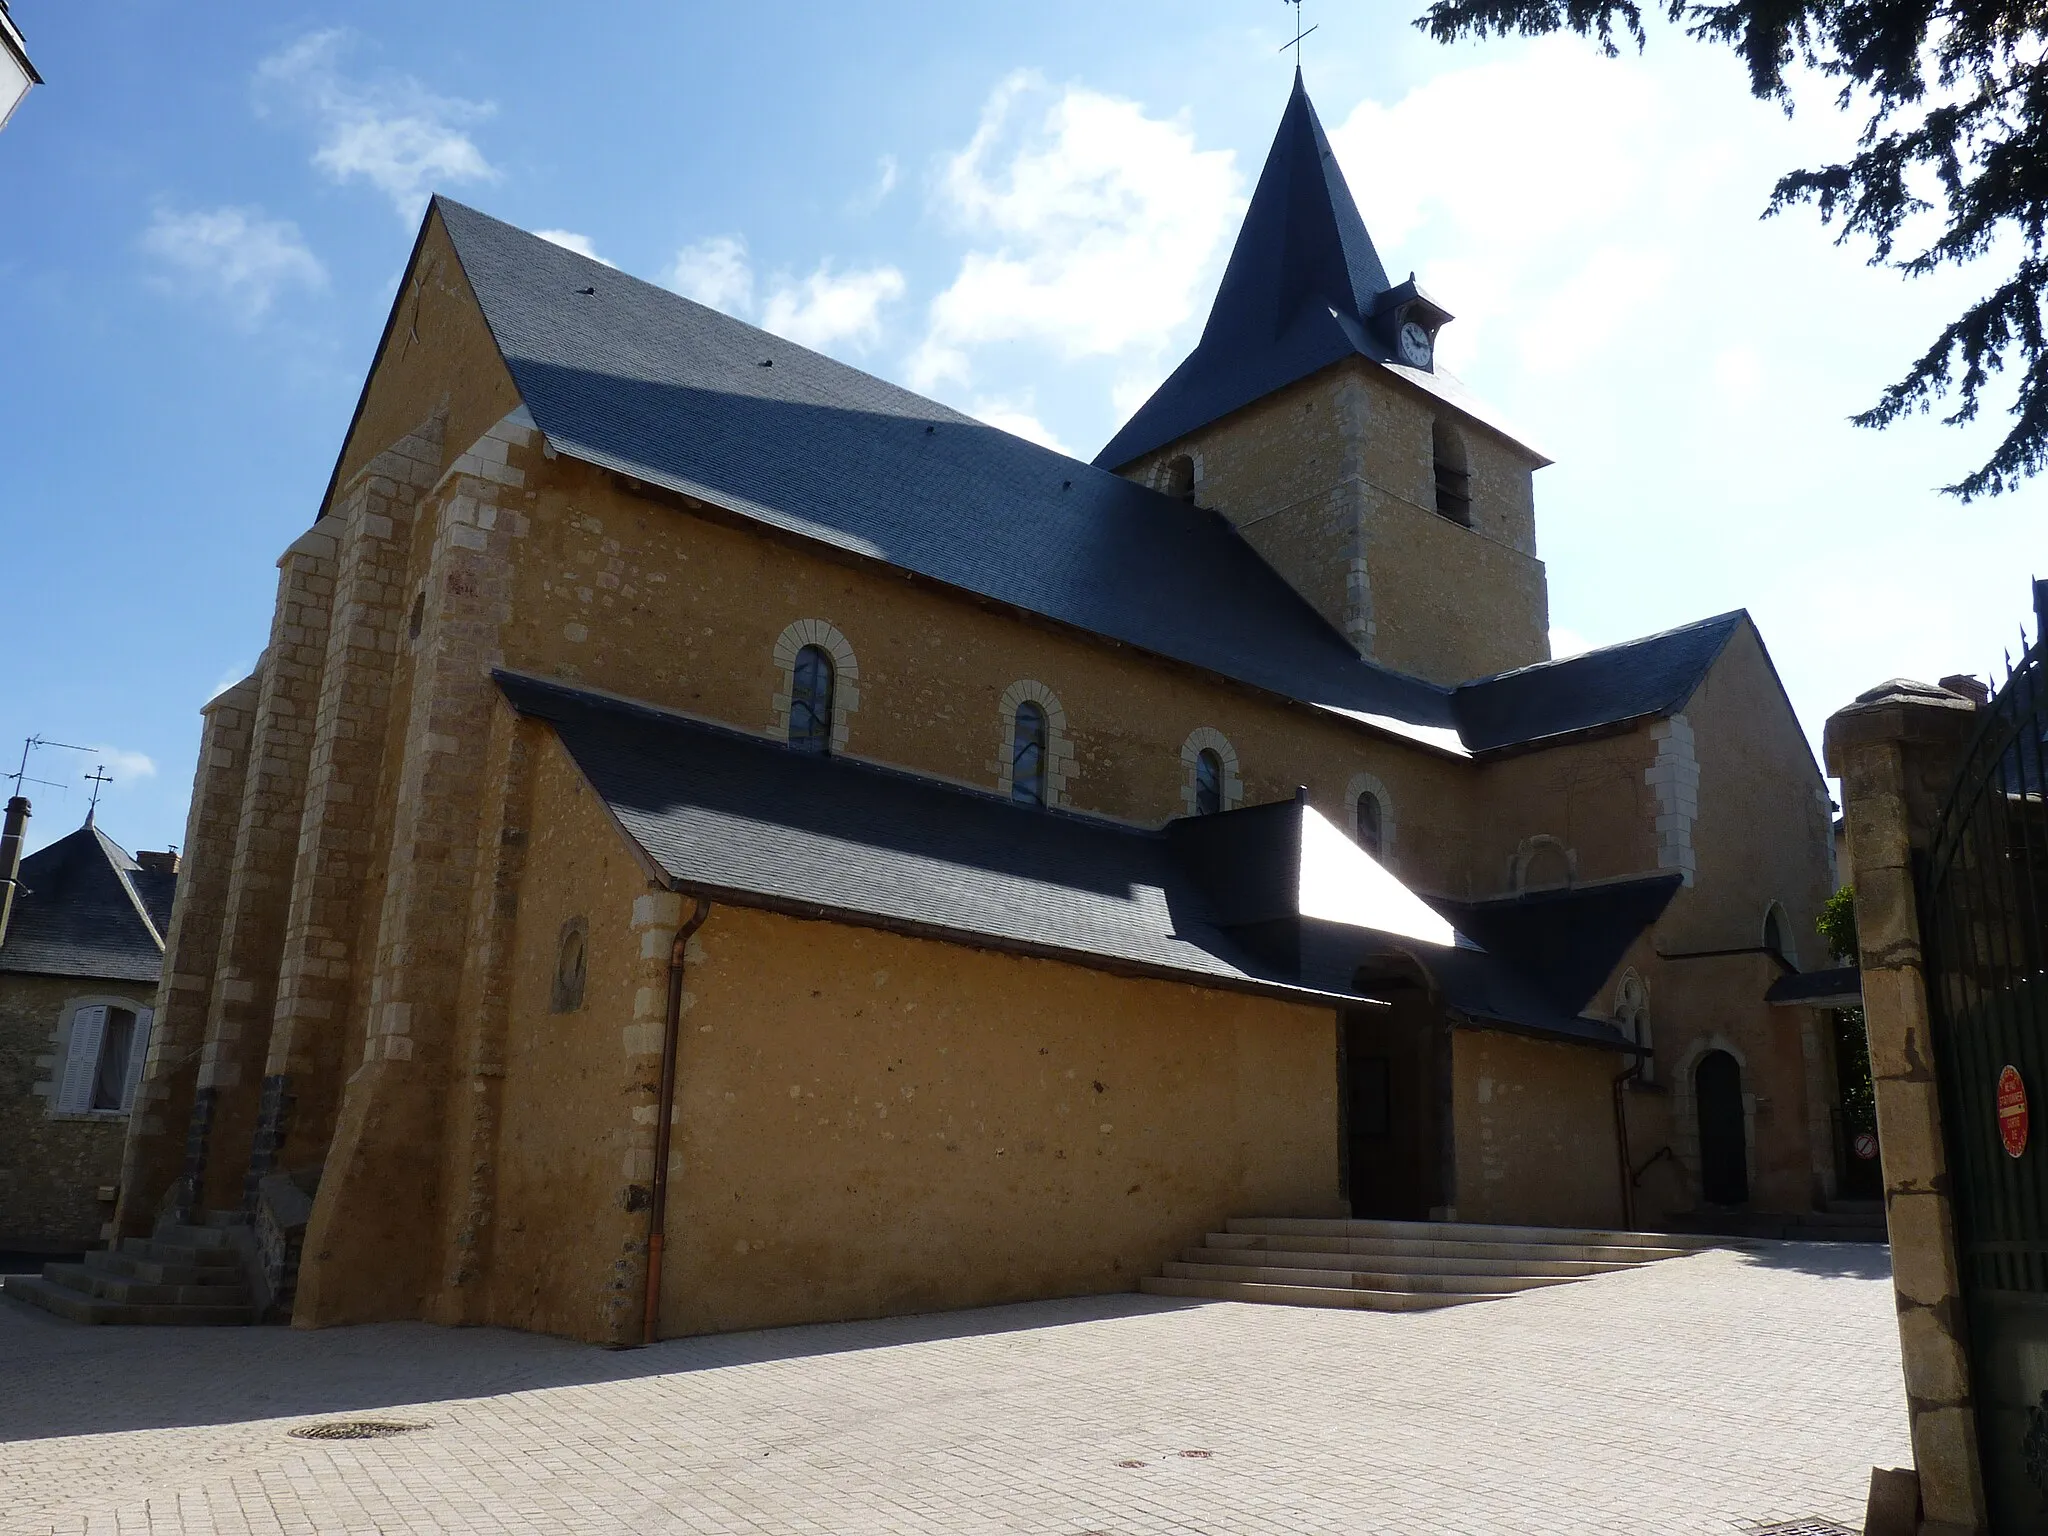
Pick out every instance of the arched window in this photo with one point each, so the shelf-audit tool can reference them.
(810, 701)
(1632, 1017)
(1027, 754)
(1208, 782)
(1453, 475)
(1778, 935)
(1180, 478)
(1371, 821)
(572, 959)
(1543, 863)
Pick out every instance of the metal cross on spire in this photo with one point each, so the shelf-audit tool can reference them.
(1299, 33)
(98, 779)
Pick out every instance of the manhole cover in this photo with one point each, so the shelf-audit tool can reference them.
(353, 1429)
(1813, 1525)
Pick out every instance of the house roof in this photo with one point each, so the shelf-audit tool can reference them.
(85, 908)
(1256, 900)
(1303, 290)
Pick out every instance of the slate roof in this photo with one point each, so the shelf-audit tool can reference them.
(1568, 941)
(1299, 294)
(748, 820)
(85, 908)
(639, 380)
(1839, 987)
(1634, 680)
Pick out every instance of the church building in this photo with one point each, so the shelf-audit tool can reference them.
(716, 840)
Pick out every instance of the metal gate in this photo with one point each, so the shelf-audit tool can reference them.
(1983, 904)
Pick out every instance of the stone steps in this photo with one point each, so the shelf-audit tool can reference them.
(1399, 1266)
(184, 1275)
(1301, 1295)
(1362, 1254)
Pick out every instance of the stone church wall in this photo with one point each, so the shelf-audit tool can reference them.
(1333, 481)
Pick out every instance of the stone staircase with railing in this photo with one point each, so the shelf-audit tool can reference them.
(182, 1274)
(1399, 1266)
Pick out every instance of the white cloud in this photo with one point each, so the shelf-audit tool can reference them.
(235, 254)
(391, 132)
(124, 766)
(1567, 642)
(1096, 227)
(1020, 418)
(887, 174)
(828, 308)
(821, 311)
(1527, 158)
(569, 240)
(714, 272)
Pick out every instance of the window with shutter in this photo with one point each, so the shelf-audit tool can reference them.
(81, 1059)
(138, 1053)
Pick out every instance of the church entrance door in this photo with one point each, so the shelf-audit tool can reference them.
(1724, 1159)
(1395, 1079)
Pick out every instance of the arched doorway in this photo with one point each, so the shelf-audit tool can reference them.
(1724, 1159)
(1397, 1089)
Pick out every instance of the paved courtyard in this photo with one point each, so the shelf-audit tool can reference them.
(1702, 1394)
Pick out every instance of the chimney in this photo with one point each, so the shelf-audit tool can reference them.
(12, 830)
(1977, 692)
(165, 863)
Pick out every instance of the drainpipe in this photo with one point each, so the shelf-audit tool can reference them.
(1628, 1183)
(664, 1115)
(12, 831)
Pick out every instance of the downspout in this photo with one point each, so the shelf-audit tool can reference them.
(1628, 1181)
(664, 1117)
(12, 831)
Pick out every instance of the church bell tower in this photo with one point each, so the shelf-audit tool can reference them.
(1312, 415)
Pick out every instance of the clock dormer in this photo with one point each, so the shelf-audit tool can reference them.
(1312, 415)
(1407, 320)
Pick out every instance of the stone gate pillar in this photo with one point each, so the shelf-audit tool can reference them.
(1896, 751)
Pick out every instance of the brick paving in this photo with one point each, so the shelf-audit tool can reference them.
(1700, 1394)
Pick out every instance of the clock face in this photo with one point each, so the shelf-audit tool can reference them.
(1415, 345)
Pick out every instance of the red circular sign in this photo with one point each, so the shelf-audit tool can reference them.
(1865, 1145)
(2012, 1112)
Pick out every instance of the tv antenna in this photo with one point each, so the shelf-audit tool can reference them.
(20, 776)
(1299, 33)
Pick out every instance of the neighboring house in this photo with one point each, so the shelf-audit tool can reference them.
(81, 949)
(1017, 865)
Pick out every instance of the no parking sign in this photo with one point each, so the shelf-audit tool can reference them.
(2013, 1119)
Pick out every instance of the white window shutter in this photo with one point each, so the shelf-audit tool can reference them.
(138, 1053)
(82, 1060)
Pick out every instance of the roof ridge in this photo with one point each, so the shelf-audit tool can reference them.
(1692, 627)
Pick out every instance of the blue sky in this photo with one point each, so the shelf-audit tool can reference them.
(1022, 210)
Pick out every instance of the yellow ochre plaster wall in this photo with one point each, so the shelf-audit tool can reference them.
(1535, 1131)
(875, 1124)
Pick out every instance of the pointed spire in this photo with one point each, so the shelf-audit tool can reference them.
(1302, 240)
(1304, 287)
